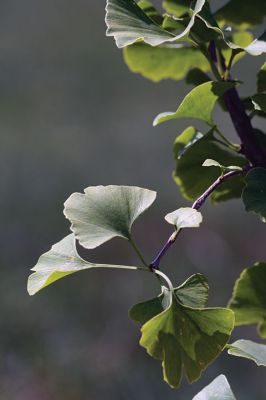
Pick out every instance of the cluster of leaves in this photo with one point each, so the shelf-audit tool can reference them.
(189, 41)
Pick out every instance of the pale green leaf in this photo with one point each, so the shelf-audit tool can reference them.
(164, 62)
(183, 338)
(191, 149)
(185, 217)
(212, 163)
(259, 102)
(105, 212)
(254, 194)
(249, 298)
(128, 23)
(248, 349)
(199, 103)
(60, 261)
(218, 389)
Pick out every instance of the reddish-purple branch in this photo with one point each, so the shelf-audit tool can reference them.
(250, 145)
(196, 205)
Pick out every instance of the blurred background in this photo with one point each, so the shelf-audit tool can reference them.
(71, 116)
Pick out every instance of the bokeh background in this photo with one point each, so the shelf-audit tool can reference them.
(71, 116)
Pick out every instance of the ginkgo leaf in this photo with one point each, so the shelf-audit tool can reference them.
(177, 8)
(128, 23)
(248, 349)
(254, 194)
(60, 261)
(191, 149)
(185, 217)
(212, 163)
(249, 301)
(255, 48)
(105, 212)
(163, 62)
(199, 103)
(218, 389)
(259, 102)
(242, 14)
(183, 338)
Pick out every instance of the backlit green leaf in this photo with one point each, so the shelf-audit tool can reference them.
(190, 151)
(60, 261)
(218, 389)
(199, 103)
(254, 194)
(105, 212)
(128, 23)
(249, 298)
(212, 163)
(164, 62)
(177, 7)
(183, 338)
(185, 217)
(248, 349)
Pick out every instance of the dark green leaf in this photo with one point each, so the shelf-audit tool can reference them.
(148, 8)
(248, 349)
(242, 14)
(218, 389)
(261, 83)
(249, 298)
(255, 48)
(194, 291)
(259, 102)
(183, 338)
(157, 63)
(128, 23)
(254, 194)
(196, 77)
(190, 150)
(199, 103)
(60, 261)
(105, 212)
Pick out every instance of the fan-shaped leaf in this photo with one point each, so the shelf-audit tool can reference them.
(248, 349)
(218, 389)
(105, 212)
(183, 338)
(128, 23)
(185, 217)
(164, 62)
(249, 298)
(242, 14)
(190, 151)
(199, 103)
(254, 194)
(60, 261)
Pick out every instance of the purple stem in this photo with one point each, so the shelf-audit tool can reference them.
(250, 145)
(196, 205)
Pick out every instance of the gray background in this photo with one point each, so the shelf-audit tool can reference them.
(71, 116)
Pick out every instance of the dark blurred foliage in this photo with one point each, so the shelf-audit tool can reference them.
(71, 116)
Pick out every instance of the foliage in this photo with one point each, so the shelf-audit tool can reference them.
(190, 41)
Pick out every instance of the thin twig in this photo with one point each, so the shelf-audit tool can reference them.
(196, 205)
